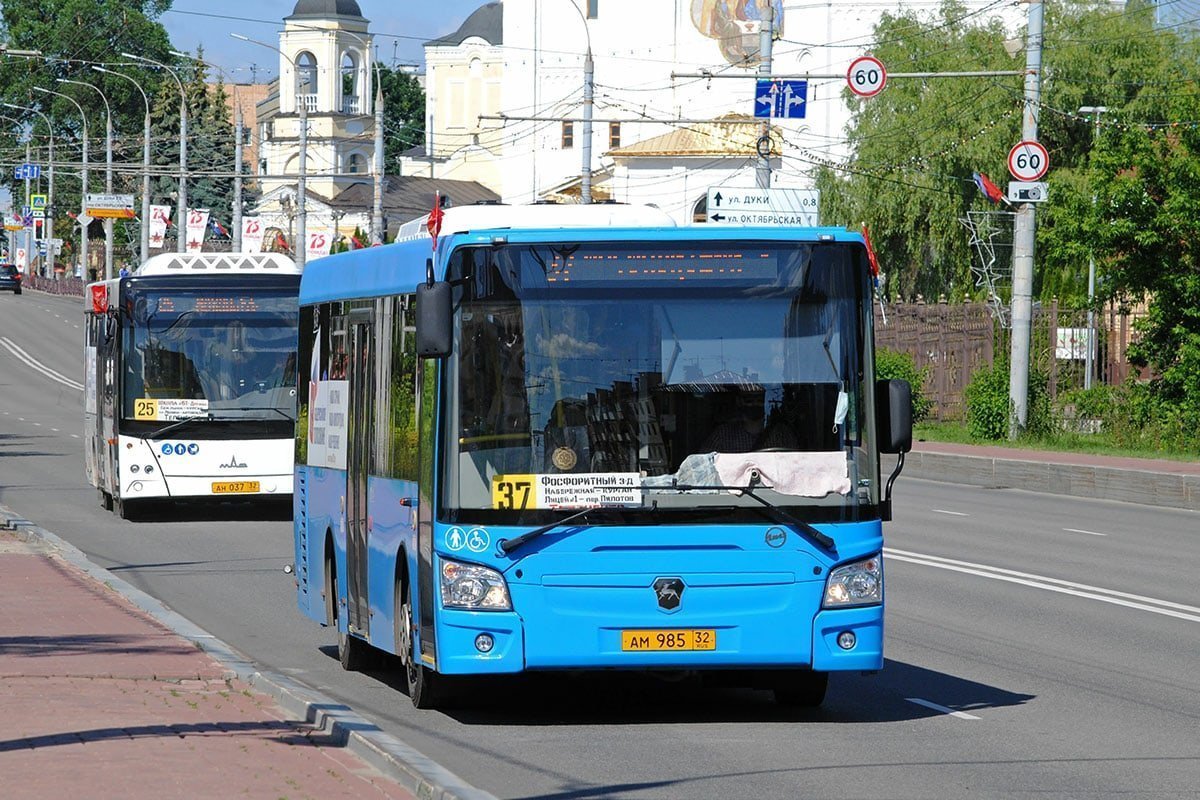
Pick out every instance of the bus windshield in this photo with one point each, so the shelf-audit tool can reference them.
(226, 352)
(640, 375)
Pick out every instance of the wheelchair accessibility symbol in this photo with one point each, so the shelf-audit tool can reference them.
(478, 540)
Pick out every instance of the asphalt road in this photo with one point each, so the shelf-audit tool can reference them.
(1038, 645)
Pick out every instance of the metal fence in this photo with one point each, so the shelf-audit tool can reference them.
(952, 341)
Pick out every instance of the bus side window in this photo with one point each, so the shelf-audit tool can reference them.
(403, 388)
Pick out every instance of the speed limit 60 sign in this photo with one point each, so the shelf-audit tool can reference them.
(1028, 161)
(866, 76)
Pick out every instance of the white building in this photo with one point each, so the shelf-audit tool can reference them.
(325, 63)
(654, 138)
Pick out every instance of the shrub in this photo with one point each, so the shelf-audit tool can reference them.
(988, 403)
(894, 365)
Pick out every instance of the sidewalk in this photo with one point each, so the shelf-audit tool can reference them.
(102, 700)
(1157, 482)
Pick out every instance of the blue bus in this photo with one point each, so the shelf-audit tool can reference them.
(579, 437)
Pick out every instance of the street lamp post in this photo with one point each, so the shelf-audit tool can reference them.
(181, 213)
(1089, 359)
(300, 243)
(236, 208)
(108, 174)
(585, 174)
(145, 243)
(83, 228)
(50, 179)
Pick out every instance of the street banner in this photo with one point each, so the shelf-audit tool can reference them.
(319, 243)
(160, 218)
(197, 225)
(252, 234)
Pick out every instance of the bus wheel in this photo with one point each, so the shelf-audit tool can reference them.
(123, 508)
(352, 651)
(425, 687)
(801, 688)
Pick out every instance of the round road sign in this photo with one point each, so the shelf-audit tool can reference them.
(1028, 161)
(866, 76)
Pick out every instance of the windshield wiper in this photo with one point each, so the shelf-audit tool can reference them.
(508, 545)
(210, 417)
(781, 516)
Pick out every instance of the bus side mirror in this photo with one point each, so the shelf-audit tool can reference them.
(435, 328)
(893, 416)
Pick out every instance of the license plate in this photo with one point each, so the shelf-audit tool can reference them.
(235, 487)
(671, 639)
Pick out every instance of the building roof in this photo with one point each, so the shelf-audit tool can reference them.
(736, 135)
(327, 8)
(486, 22)
(408, 197)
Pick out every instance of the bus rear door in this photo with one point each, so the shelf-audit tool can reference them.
(358, 463)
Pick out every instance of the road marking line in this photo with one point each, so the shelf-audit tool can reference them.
(1135, 601)
(1081, 530)
(38, 366)
(951, 513)
(942, 709)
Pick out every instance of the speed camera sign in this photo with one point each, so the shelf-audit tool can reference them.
(1028, 161)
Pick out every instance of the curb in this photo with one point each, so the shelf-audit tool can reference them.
(413, 770)
(1076, 480)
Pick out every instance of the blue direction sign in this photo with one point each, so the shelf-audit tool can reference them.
(783, 99)
(27, 171)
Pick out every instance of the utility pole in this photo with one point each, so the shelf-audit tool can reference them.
(1089, 357)
(766, 35)
(1023, 238)
(377, 233)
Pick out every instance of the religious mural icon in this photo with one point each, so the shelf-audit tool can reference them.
(735, 24)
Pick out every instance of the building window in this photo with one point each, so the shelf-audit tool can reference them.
(593, 9)
(262, 166)
(614, 135)
(354, 163)
(306, 66)
(568, 135)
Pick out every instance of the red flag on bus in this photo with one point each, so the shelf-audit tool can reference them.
(99, 298)
(874, 262)
(434, 223)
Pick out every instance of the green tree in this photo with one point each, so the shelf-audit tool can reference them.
(211, 144)
(75, 34)
(917, 144)
(403, 112)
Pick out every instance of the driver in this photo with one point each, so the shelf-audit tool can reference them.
(745, 432)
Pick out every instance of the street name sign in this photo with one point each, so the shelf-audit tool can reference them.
(740, 205)
(110, 206)
(780, 98)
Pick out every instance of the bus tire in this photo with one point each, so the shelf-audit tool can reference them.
(426, 688)
(353, 653)
(801, 688)
(124, 508)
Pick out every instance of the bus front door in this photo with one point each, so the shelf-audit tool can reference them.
(358, 460)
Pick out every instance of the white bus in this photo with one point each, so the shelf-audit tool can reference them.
(190, 379)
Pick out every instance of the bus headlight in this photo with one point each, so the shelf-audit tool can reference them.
(857, 584)
(473, 587)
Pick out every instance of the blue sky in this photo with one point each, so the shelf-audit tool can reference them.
(400, 27)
